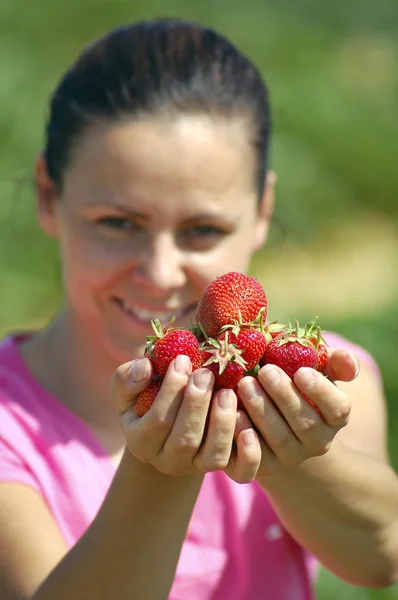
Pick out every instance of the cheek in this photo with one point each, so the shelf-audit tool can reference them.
(88, 262)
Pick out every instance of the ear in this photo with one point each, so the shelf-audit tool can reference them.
(46, 198)
(265, 211)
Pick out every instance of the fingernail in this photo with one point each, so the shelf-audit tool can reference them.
(182, 365)
(271, 375)
(202, 379)
(305, 376)
(249, 439)
(139, 370)
(247, 388)
(356, 362)
(225, 400)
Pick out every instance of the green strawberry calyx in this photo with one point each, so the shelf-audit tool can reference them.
(159, 333)
(314, 332)
(258, 323)
(309, 336)
(222, 352)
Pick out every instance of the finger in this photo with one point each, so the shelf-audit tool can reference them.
(128, 381)
(264, 407)
(332, 402)
(341, 365)
(304, 420)
(186, 435)
(148, 434)
(246, 457)
(217, 445)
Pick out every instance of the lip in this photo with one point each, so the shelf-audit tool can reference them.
(142, 316)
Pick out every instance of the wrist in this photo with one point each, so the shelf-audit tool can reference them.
(317, 467)
(144, 480)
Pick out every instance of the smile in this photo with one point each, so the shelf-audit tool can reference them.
(144, 315)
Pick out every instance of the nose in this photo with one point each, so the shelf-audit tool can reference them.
(162, 265)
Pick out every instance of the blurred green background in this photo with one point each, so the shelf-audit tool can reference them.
(332, 68)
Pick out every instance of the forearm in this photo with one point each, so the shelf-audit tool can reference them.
(345, 517)
(132, 548)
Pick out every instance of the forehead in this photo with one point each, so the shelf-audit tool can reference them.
(193, 154)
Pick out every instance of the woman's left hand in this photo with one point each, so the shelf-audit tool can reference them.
(290, 429)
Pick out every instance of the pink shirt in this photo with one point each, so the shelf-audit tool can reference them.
(236, 547)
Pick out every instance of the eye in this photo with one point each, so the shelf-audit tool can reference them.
(118, 224)
(205, 231)
(203, 237)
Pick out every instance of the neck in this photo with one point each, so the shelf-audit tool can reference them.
(77, 371)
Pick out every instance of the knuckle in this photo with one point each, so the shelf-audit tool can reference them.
(218, 461)
(281, 441)
(186, 444)
(159, 423)
(119, 376)
(306, 426)
(341, 413)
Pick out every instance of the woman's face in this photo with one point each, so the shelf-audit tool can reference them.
(151, 211)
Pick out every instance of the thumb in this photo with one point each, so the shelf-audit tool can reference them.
(341, 365)
(128, 381)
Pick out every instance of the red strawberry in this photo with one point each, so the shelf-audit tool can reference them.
(225, 360)
(228, 377)
(252, 343)
(314, 334)
(310, 401)
(290, 351)
(146, 398)
(233, 297)
(168, 343)
(298, 348)
(322, 356)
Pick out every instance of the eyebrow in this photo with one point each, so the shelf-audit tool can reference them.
(115, 205)
(199, 217)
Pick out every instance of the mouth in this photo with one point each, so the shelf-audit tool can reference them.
(143, 316)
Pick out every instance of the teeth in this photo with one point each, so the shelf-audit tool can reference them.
(147, 315)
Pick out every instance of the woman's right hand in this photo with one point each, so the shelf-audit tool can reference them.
(185, 432)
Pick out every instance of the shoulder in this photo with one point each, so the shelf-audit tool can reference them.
(19, 398)
(20, 417)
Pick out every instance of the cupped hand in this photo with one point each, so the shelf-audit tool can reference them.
(290, 429)
(187, 430)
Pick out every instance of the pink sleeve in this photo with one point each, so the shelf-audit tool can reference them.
(12, 468)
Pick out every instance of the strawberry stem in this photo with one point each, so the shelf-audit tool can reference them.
(297, 328)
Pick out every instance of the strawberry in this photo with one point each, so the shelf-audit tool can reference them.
(229, 298)
(225, 360)
(314, 334)
(146, 397)
(251, 342)
(228, 377)
(297, 348)
(322, 356)
(308, 399)
(290, 351)
(168, 343)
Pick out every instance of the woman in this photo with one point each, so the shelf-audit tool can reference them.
(154, 179)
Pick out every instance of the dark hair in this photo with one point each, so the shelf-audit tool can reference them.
(147, 66)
